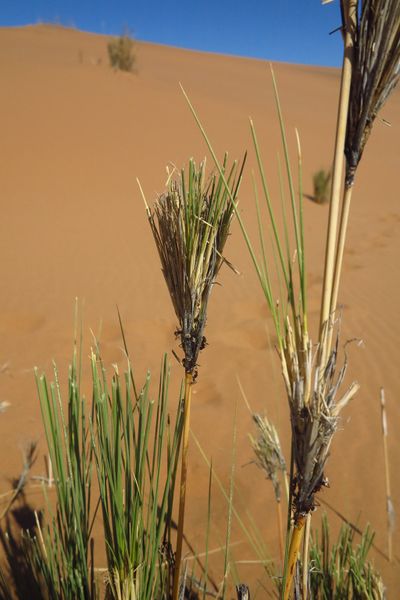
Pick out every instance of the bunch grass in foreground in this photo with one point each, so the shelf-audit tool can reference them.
(342, 570)
(190, 223)
(136, 453)
(62, 551)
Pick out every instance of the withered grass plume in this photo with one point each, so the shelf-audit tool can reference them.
(375, 74)
(190, 224)
(270, 459)
(267, 448)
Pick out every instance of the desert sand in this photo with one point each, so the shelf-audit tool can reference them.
(74, 137)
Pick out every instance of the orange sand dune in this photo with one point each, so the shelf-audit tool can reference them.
(74, 136)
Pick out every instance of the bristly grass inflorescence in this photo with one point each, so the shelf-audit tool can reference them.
(269, 456)
(190, 224)
(374, 33)
(376, 72)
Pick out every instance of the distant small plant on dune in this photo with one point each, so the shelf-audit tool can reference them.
(121, 53)
(321, 185)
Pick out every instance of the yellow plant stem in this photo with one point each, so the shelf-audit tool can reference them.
(306, 546)
(280, 529)
(295, 543)
(337, 174)
(184, 468)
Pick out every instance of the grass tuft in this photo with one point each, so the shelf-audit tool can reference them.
(136, 454)
(342, 570)
(321, 185)
(190, 224)
(121, 53)
(62, 550)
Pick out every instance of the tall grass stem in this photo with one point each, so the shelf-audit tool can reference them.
(337, 174)
(295, 543)
(344, 221)
(182, 492)
(306, 549)
(389, 505)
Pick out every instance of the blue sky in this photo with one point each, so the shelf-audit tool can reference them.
(288, 30)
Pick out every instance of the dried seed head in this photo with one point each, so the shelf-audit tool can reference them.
(267, 448)
(376, 72)
(314, 409)
(190, 224)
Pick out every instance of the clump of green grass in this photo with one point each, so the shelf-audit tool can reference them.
(136, 453)
(61, 552)
(121, 53)
(321, 186)
(18, 579)
(128, 439)
(342, 570)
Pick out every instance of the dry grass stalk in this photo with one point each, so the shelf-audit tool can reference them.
(177, 585)
(389, 504)
(306, 550)
(29, 457)
(349, 10)
(315, 404)
(312, 392)
(376, 72)
(190, 225)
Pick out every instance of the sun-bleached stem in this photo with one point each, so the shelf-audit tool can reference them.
(182, 494)
(337, 174)
(344, 222)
